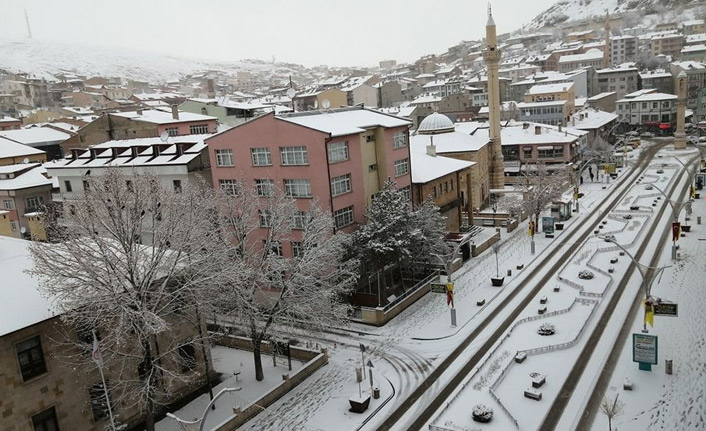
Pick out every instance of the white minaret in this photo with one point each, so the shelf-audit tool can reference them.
(680, 136)
(491, 56)
(606, 48)
(29, 30)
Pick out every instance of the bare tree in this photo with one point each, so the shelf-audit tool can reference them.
(131, 264)
(541, 188)
(612, 409)
(264, 288)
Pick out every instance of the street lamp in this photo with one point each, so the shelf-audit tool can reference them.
(447, 267)
(201, 421)
(648, 274)
(676, 210)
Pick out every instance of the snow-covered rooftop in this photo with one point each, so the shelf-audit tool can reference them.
(157, 116)
(427, 168)
(31, 177)
(345, 121)
(589, 119)
(35, 136)
(693, 48)
(550, 88)
(13, 149)
(649, 97)
(4, 119)
(522, 105)
(591, 54)
(22, 303)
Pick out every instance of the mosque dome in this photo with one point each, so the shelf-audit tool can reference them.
(435, 123)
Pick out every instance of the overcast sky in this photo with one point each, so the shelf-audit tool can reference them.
(309, 32)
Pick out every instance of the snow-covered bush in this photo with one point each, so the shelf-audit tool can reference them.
(586, 274)
(482, 413)
(546, 329)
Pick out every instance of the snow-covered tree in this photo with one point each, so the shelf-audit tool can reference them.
(265, 289)
(541, 188)
(432, 227)
(612, 409)
(132, 263)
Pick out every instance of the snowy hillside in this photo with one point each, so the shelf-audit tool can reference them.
(44, 58)
(575, 10)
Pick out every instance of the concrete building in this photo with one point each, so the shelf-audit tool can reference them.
(360, 91)
(491, 56)
(552, 92)
(669, 44)
(519, 72)
(696, 79)
(12, 153)
(314, 99)
(696, 26)
(443, 87)
(622, 49)
(389, 94)
(621, 80)
(42, 389)
(591, 58)
(596, 122)
(29, 92)
(24, 191)
(658, 79)
(9, 123)
(148, 123)
(552, 112)
(581, 36)
(694, 53)
(649, 111)
(227, 111)
(603, 101)
(341, 157)
(700, 112)
(46, 139)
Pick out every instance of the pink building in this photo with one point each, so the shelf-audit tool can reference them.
(342, 157)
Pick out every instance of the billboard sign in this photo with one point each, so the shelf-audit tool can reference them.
(665, 309)
(438, 287)
(548, 224)
(644, 348)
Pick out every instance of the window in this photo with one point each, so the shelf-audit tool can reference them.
(229, 187)
(644, 105)
(297, 188)
(543, 153)
(29, 353)
(67, 185)
(558, 151)
(261, 156)
(264, 187)
(337, 152)
(224, 157)
(370, 138)
(13, 225)
(198, 129)
(187, 357)
(300, 219)
(177, 186)
(341, 184)
(401, 167)
(172, 131)
(99, 404)
(297, 249)
(373, 167)
(9, 204)
(406, 192)
(34, 202)
(655, 105)
(292, 156)
(265, 218)
(343, 217)
(275, 247)
(45, 420)
(399, 139)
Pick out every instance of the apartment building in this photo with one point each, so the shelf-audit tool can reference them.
(658, 79)
(621, 80)
(622, 49)
(591, 58)
(649, 111)
(24, 191)
(669, 44)
(696, 26)
(342, 157)
(696, 79)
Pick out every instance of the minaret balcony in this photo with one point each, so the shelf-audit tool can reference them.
(491, 55)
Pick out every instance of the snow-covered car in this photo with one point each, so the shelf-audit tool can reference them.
(649, 188)
(606, 238)
(660, 171)
(627, 217)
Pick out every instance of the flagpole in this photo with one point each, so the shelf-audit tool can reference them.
(99, 362)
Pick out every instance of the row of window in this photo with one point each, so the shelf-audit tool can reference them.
(298, 156)
(443, 188)
(32, 202)
(644, 105)
(198, 129)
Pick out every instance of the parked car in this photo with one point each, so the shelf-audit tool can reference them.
(660, 171)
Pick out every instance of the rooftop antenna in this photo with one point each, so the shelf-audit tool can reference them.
(29, 30)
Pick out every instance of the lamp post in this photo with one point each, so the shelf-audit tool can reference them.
(648, 274)
(676, 210)
(447, 267)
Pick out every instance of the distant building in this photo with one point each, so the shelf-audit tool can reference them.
(552, 113)
(581, 36)
(603, 101)
(387, 64)
(668, 44)
(694, 53)
(24, 191)
(591, 58)
(649, 111)
(9, 123)
(229, 112)
(696, 26)
(658, 79)
(696, 79)
(140, 124)
(597, 123)
(314, 99)
(46, 139)
(389, 93)
(700, 112)
(622, 49)
(621, 80)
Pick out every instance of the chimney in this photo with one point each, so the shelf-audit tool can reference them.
(93, 152)
(559, 128)
(537, 130)
(135, 150)
(525, 126)
(211, 91)
(573, 121)
(155, 150)
(74, 153)
(139, 111)
(114, 151)
(179, 149)
(586, 114)
(431, 148)
(175, 112)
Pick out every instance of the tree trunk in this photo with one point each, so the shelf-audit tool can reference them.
(259, 375)
(149, 415)
(610, 424)
(149, 405)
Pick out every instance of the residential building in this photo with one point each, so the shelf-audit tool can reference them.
(669, 44)
(695, 26)
(42, 389)
(389, 94)
(596, 122)
(551, 112)
(46, 139)
(387, 64)
(581, 36)
(154, 100)
(695, 39)
(24, 191)
(7, 103)
(649, 111)
(9, 123)
(696, 79)
(29, 92)
(591, 58)
(603, 101)
(12, 153)
(519, 72)
(700, 111)
(341, 157)
(360, 91)
(622, 49)
(621, 80)
(140, 124)
(694, 53)
(658, 79)
(314, 99)
(177, 162)
(667, 26)
(443, 87)
(552, 92)
(227, 111)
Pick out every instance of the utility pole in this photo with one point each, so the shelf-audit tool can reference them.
(29, 30)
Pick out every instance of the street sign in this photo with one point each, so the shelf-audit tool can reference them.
(438, 287)
(665, 309)
(644, 350)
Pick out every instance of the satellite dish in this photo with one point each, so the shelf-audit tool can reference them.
(23, 230)
(164, 136)
(291, 93)
(325, 104)
(25, 160)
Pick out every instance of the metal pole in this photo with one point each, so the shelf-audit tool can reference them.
(107, 399)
